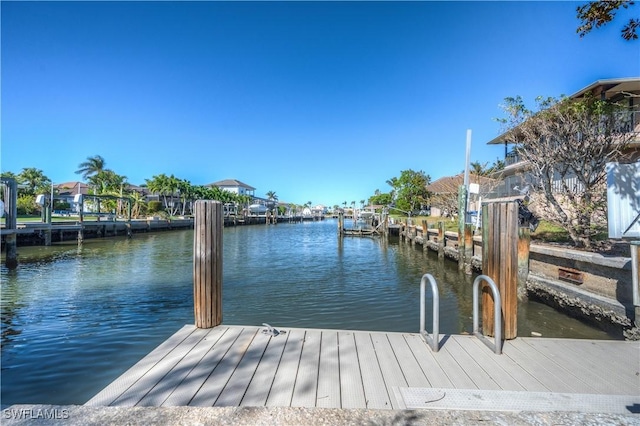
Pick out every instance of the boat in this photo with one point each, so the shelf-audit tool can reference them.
(365, 214)
(257, 209)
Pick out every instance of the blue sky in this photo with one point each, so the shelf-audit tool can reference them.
(317, 101)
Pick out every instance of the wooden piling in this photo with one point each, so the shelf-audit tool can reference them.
(468, 247)
(207, 263)
(441, 240)
(425, 234)
(500, 262)
(11, 222)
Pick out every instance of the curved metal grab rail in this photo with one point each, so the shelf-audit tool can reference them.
(435, 340)
(496, 345)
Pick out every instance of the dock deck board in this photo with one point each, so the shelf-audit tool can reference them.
(241, 366)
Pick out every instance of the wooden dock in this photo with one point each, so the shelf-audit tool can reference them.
(244, 366)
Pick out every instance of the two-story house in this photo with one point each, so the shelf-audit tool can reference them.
(234, 186)
(514, 177)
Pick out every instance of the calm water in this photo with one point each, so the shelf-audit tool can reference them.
(75, 319)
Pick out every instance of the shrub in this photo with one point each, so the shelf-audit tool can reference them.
(26, 205)
(154, 206)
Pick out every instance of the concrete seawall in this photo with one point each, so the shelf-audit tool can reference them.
(590, 286)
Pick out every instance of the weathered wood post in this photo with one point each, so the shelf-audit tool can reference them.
(47, 212)
(441, 240)
(385, 221)
(11, 221)
(129, 214)
(207, 263)
(425, 234)
(80, 200)
(340, 223)
(500, 262)
(468, 247)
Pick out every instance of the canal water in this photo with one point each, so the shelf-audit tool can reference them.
(74, 319)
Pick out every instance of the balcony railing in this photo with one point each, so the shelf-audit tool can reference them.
(512, 158)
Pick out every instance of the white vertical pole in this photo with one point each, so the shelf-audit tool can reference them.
(467, 160)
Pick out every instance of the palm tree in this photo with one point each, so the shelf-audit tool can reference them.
(138, 204)
(33, 180)
(173, 185)
(186, 193)
(158, 185)
(479, 169)
(271, 196)
(108, 181)
(362, 204)
(91, 167)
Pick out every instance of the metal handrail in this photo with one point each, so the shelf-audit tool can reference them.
(496, 345)
(435, 341)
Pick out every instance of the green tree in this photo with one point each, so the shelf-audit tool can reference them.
(9, 175)
(159, 185)
(595, 14)
(497, 166)
(26, 205)
(410, 189)
(108, 182)
(479, 169)
(139, 204)
(395, 186)
(33, 182)
(90, 167)
(381, 199)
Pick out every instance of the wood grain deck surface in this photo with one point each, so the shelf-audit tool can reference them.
(242, 366)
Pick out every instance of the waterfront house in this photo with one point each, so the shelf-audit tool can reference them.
(68, 192)
(515, 178)
(235, 186)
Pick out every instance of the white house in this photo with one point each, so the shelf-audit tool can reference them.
(235, 186)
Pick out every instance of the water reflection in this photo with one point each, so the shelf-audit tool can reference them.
(73, 319)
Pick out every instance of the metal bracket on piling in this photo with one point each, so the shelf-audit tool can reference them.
(496, 345)
(434, 341)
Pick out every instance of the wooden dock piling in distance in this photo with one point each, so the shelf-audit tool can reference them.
(207, 263)
(11, 221)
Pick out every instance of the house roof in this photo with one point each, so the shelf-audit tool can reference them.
(233, 183)
(608, 89)
(450, 184)
(611, 87)
(72, 188)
